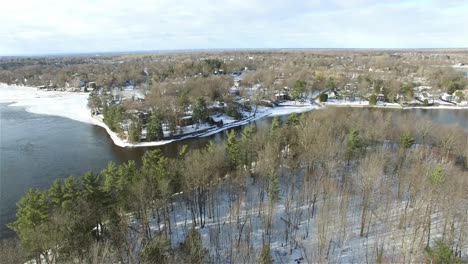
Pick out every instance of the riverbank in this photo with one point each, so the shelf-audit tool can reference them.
(365, 104)
(73, 105)
(261, 113)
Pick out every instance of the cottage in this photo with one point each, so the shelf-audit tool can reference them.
(282, 96)
(333, 94)
(447, 97)
(89, 87)
(185, 121)
(381, 97)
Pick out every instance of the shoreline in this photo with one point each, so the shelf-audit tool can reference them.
(73, 105)
(394, 106)
(265, 113)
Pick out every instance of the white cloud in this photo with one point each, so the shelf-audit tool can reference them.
(50, 26)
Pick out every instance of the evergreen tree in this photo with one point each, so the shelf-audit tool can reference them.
(354, 144)
(406, 140)
(157, 251)
(273, 188)
(200, 110)
(437, 176)
(298, 89)
(94, 102)
(134, 132)
(246, 147)
(32, 214)
(373, 99)
(232, 150)
(441, 253)
(276, 123)
(55, 193)
(194, 252)
(265, 255)
(113, 117)
(293, 119)
(70, 193)
(154, 131)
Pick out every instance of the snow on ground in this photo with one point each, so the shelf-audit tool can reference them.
(64, 104)
(362, 103)
(329, 231)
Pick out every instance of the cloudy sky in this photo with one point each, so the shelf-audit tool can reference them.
(63, 26)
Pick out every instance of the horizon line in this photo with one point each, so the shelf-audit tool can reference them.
(123, 52)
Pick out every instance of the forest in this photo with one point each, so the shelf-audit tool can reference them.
(334, 185)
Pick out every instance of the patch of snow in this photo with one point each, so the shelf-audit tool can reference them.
(65, 104)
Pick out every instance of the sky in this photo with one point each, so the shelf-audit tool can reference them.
(29, 27)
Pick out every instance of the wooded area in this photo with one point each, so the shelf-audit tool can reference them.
(337, 185)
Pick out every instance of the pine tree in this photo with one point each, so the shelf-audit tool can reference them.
(232, 149)
(154, 131)
(354, 144)
(246, 148)
(134, 132)
(293, 119)
(441, 253)
(157, 251)
(32, 214)
(200, 110)
(273, 188)
(373, 100)
(265, 255)
(194, 252)
(276, 123)
(406, 140)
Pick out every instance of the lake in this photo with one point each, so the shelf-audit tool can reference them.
(37, 149)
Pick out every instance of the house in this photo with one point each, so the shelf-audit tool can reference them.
(185, 121)
(381, 97)
(282, 96)
(89, 87)
(425, 95)
(333, 94)
(447, 97)
(143, 117)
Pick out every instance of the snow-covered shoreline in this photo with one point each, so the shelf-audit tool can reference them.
(73, 105)
(365, 104)
(265, 112)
